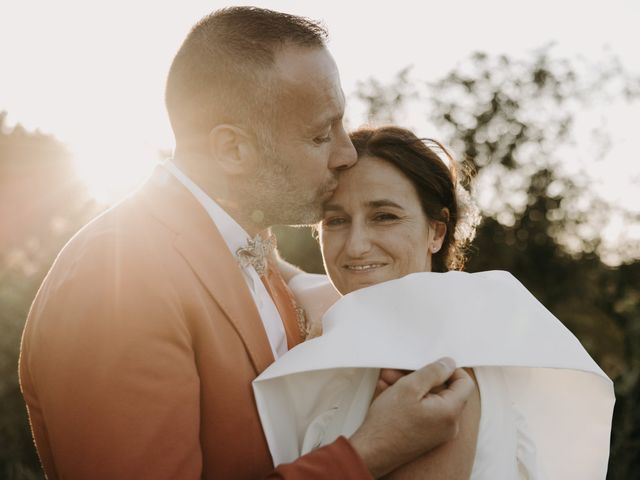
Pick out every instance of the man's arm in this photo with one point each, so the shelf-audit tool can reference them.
(407, 419)
(336, 460)
(403, 423)
(454, 459)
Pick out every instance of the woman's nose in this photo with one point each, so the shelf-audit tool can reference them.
(358, 242)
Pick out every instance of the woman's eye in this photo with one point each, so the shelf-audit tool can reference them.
(334, 221)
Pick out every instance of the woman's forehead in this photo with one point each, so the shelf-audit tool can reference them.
(375, 173)
(372, 183)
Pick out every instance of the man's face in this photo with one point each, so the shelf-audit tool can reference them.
(308, 140)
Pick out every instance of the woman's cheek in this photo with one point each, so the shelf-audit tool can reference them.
(330, 250)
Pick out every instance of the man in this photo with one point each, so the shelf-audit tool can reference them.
(141, 345)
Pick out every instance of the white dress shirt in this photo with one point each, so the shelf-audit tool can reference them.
(236, 237)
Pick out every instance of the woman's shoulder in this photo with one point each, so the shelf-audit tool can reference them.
(315, 294)
(305, 280)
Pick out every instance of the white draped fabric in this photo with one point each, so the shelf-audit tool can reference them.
(546, 405)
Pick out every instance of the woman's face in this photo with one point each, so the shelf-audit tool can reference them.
(374, 228)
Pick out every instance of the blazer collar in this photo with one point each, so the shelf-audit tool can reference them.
(200, 243)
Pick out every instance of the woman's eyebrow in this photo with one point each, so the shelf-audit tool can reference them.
(384, 203)
(332, 207)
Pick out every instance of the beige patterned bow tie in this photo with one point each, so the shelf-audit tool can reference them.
(256, 253)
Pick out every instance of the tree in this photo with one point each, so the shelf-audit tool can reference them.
(41, 205)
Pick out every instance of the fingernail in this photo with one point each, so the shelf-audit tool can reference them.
(448, 362)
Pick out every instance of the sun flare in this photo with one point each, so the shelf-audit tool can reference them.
(110, 174)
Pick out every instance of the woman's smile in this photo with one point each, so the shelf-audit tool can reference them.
(360, 268)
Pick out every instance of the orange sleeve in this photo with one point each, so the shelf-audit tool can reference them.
(336, 460)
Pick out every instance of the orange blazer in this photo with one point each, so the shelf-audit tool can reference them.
(140, 348)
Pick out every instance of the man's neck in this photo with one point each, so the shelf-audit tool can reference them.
(220, 189)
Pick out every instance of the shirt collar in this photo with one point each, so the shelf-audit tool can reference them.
(233, 234)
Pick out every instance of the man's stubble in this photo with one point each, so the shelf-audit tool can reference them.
(274, 195)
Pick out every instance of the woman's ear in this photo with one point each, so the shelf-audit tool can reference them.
(439, 230)
(233, 149)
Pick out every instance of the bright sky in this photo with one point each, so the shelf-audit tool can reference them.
(92, 73)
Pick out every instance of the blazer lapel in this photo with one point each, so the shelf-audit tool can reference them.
(202, 246)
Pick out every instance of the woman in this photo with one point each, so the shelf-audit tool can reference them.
(399, 211)
(393, 214)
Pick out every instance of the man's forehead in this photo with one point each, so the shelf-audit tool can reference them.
(309, 85)
(295, 64)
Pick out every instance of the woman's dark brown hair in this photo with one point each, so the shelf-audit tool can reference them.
(433, 180)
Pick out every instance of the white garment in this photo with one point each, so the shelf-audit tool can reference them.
(236, 237)
(546, 405)
(504, 448)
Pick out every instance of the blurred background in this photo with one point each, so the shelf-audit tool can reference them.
(540, 102)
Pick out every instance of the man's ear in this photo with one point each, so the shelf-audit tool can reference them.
(233, 149)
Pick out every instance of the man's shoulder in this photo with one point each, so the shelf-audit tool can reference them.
(122, 223)
(124, 234)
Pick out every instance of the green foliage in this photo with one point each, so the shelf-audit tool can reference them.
(513, 118)
(42, 206)
(300, 247)
(18, 458)
(385, 102)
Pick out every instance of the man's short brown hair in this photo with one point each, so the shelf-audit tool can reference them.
(221, 72)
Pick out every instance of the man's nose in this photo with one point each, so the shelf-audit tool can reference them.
(344, 154)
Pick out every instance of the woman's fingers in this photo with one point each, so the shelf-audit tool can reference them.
(434, 379)
(388, 376)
